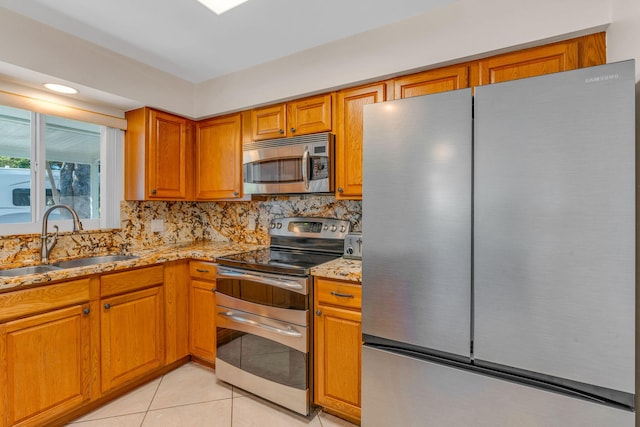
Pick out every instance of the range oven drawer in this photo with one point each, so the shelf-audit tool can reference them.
(263, 324)
(267, 357)
(286, 333)
(269, 290)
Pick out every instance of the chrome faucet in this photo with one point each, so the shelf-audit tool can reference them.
(49, 242)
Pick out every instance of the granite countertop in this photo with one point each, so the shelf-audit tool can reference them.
(205, 251)
(341, 268)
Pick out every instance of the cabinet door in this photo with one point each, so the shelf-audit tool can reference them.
(337, 358)
(529, 62)
(168, 156)
(202, 327)
(309, 115)
(350, 103)
(268, 122)
(218, 158)
(432, 81)
(44, 365)
(132, 336)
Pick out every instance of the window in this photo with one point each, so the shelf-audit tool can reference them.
(47, 160)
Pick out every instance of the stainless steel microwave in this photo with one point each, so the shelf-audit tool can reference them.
(301, 164)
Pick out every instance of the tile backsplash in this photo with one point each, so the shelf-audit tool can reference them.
(183, 222)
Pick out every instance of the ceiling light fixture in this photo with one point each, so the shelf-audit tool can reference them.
(60, 88)
(221, 6)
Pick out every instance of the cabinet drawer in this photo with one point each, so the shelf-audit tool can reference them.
(339, 293)
(45, 298)
(202, 270)
(126, 281)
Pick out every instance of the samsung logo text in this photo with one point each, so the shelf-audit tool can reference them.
(601, 78)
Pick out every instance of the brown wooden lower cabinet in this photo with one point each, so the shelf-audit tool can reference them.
(44, 366)
(131, 336)
(202, 310)
(337, 347)
(67, 345)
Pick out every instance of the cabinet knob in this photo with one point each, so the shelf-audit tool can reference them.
(319, 313)
(340, 190)
(86, 311)
(213, 290)
(153, 191)
(293, 130)
(107, 306)
(281, 131)
(236, 194)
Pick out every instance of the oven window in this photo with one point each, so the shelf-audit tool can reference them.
(263, 357)
(260, 293)
(274, 171)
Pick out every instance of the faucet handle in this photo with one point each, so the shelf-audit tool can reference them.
(52, 240)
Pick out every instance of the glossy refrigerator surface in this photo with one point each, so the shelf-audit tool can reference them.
(554, 215)
(417, 218)
(499, 276)
(441, 395)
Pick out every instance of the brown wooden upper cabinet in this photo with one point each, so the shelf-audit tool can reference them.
(218, 158)
(350, 104)
(158, 151)
(299, 117)
(581, 52)
(568, 55)
(432, 81)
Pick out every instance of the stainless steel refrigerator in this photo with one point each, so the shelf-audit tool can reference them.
(499, 272)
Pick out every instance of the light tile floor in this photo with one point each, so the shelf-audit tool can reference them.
(191, 396)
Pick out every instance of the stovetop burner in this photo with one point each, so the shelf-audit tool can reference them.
(297, 245)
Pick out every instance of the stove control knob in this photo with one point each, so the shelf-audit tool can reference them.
(326, 227)
(279, 226)
(343, 228)
(273, 225)
(334, 228)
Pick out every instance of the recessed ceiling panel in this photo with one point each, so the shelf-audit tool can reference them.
(184, 38)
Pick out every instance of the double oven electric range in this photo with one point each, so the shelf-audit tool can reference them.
(264, 310)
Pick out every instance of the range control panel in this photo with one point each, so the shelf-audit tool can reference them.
(321, 228)
(353, 246)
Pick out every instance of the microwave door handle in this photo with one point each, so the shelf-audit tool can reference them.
(305, 168)
(280, 283)
(285, 330)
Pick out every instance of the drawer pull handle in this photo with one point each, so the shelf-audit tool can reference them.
(199, 270)
(338, 294)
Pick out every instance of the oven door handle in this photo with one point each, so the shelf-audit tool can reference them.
(286, 330)
(280, 283)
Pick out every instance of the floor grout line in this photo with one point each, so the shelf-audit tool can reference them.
(232, 411)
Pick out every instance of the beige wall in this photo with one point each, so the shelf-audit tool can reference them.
(466, 29)
(462, 30)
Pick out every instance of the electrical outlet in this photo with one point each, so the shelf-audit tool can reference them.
(157, 225)
(251, 226)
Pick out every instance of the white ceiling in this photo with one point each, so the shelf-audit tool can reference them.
(183, 38)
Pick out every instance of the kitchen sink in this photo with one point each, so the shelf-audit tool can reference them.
(72, 263)
(83, 262)
(34, 269)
